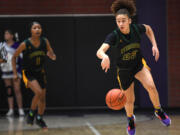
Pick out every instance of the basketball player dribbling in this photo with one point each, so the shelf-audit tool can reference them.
(130, 62)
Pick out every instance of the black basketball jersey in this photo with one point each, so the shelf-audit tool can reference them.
(34, 57)
(128, 52)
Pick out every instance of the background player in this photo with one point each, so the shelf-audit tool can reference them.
(35, 49)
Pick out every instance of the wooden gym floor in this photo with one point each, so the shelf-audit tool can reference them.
(90, 124)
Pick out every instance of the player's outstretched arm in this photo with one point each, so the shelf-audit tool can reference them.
(50, 52)
(21, 47)
(150, 35)
(101, 54)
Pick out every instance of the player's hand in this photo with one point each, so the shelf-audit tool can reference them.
(15, 77)
(155, 52)
(105, 63)
(51, 55)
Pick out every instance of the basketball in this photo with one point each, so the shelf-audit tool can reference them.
(115, 99)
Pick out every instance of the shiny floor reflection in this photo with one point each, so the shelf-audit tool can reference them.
(103, 124)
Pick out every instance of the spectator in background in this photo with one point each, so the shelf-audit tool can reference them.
(7, 74)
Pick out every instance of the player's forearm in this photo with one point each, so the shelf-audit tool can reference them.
(51, 55)
(101, 54)
(150, 35)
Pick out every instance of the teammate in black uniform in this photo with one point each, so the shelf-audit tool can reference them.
(34, 51)
(130, 63)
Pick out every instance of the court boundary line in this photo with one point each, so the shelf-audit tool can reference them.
(93, 129)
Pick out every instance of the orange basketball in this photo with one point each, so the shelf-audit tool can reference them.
(115, 99)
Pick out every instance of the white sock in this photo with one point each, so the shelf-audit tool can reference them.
(11, 110)
(21, 111)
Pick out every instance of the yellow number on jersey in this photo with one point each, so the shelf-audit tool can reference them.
(38, 61)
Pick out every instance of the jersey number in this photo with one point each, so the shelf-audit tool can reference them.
(38, 61)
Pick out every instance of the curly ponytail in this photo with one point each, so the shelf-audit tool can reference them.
(123, 7)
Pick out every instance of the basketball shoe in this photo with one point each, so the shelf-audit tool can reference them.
(160, 114)
(131, 129)
(30, 117)
(40, 122)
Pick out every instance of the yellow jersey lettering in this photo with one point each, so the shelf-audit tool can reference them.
(130, 46)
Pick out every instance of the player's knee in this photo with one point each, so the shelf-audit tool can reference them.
(38, 93)
(17, 91)
(42, 99)
(151, 87)
(9, 91)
